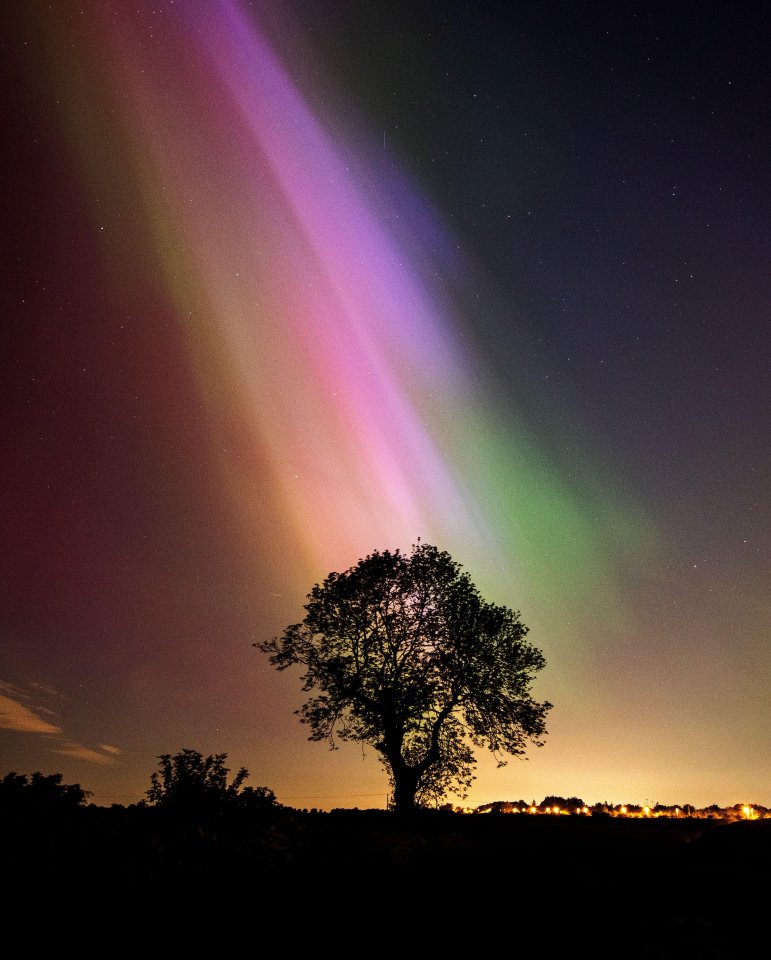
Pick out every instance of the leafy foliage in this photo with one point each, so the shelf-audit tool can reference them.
(402, 652)
(188, 781)
(258, 798)
(45, 794)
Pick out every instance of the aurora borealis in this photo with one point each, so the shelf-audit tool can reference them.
(289, 283)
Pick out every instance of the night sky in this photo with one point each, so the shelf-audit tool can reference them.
(288, 283)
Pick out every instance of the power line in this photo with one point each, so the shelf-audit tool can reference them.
(328, 796)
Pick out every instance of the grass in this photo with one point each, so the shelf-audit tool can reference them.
(367, 882)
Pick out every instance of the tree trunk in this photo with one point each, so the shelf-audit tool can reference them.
(405, 788)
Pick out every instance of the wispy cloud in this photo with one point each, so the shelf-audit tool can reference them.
(79, 752)
(15, 716)
(22, 711)
(42, 688)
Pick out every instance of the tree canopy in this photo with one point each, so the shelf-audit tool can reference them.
(40, 792)
(190, 782)
(402, 652)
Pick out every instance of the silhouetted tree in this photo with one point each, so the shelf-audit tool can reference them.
(190, 782)
(39, 792)
(452, 773)
(258, 798)
(564, 803)
(402, 652)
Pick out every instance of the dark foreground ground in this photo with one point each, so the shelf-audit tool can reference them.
(359, 883)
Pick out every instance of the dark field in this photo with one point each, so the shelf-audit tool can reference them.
(357, 883)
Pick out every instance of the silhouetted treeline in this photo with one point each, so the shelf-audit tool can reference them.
(232, 877)
(183, 877)
(574, 805)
